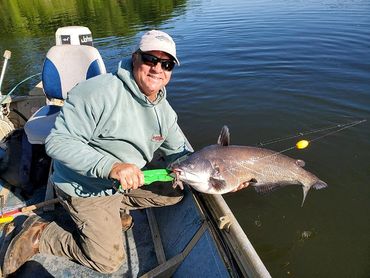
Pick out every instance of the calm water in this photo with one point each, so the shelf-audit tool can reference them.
(267, 69)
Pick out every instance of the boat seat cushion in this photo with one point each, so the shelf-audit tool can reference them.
(67, 65)
(38, 127)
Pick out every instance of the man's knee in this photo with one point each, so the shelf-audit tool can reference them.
(167, 195)
(110, 264)
(156, 194)
(172, 200)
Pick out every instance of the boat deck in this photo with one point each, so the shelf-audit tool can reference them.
(171, 241)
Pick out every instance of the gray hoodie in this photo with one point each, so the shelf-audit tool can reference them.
(105, 120)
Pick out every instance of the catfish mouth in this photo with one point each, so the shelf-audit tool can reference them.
(185, 175)
(179, 177)
(179, 173)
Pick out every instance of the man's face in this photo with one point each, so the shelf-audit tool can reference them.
(150, 78)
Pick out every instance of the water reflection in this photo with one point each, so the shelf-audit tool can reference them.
(41, 18)
(28, 27)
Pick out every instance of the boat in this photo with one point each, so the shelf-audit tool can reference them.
(198, 237)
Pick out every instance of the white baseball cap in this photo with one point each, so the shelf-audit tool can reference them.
(158, 40)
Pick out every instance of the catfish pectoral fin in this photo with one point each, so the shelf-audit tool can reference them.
(266, 188)
(217, 184)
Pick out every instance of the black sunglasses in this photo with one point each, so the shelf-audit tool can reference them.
(151, 60)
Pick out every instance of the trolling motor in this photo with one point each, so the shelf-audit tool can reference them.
(75, 35)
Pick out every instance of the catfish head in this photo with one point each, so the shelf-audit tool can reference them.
(201, 169)
(202, 173)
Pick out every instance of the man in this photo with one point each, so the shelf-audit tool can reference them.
(108, 129)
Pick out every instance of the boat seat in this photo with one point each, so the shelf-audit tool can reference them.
(64, 67)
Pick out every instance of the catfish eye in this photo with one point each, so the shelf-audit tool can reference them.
(192, 166)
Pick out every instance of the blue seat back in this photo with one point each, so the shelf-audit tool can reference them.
(67, 65)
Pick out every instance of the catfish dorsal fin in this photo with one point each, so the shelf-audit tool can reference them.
(224, 138)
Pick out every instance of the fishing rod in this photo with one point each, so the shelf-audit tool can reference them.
(7, 216)
(7, 55)
(3, 97)
(339, 127)
(302, 144)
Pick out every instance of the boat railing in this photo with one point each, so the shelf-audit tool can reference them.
(230, 231)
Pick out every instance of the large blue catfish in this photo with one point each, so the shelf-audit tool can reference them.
(221, 168)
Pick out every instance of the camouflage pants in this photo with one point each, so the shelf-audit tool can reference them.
(97, 241)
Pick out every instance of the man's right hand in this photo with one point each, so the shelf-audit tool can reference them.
(129, 175)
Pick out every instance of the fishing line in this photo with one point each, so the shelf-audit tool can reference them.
(306, 142)
(342, 128)
(338, 126)
(16, 86)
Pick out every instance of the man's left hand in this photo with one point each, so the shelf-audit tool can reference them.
(241, 186)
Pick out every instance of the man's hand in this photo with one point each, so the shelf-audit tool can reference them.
(241, 186)
(129, 175)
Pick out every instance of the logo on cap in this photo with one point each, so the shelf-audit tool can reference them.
(162, 38)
